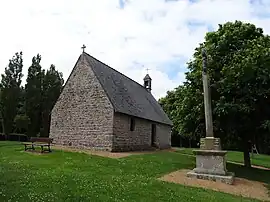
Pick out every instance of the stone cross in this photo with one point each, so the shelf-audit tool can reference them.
(83, 47)
(210, 158)
(207, 98)
(147, 70)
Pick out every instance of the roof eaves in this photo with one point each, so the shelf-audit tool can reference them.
(139, 117)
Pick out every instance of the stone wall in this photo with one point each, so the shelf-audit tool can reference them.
(83, 115)
(163, 136)
(140, 138)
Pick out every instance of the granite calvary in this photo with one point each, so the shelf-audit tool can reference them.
(100, 108)
(210, 158)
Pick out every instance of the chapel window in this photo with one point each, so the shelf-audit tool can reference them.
(132, 124)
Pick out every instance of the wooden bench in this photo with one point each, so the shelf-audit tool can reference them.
(38, 141)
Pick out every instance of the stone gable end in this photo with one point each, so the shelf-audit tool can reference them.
(83, 115)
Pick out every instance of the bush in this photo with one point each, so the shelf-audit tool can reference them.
(2, 137)
(21, 122)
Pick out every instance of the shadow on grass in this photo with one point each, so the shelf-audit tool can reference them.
(254, 174)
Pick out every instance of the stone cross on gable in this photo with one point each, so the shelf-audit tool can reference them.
(83, 47)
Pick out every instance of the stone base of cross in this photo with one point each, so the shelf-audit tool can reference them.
(211, 162)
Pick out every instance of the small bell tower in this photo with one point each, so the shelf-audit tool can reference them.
(147, 82)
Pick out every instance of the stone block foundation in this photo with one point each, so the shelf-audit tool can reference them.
(211, 165)
(227, 179)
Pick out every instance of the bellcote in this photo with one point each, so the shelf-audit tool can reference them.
(147, 82)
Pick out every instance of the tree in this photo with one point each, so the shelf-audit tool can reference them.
(33, 95)
(22, 123)
(239, 72)
(52, 86)
(10, 92)
(41, 92)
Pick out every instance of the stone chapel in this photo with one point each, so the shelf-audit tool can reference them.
(102, 109)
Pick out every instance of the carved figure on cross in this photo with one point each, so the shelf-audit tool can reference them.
(204, 57)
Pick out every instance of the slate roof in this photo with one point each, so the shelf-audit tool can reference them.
(126, 95)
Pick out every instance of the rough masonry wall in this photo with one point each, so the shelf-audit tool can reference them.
(140, 138)
(83, 115)
(126, 140)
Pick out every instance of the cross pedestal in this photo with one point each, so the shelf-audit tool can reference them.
(210, 143)
(211, 162)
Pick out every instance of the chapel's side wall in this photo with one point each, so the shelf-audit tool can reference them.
(140, 138)
(83, 114)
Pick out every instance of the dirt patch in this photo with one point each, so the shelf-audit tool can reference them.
(241, 187)
(108, 154)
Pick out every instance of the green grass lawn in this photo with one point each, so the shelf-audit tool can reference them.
(66, 176)
(235, 156)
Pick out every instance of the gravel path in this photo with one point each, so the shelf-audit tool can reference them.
(241, 187)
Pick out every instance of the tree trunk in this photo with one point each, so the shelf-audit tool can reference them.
(247, 161)
(3, 126)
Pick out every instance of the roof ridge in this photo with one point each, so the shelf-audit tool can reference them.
(117, 71)
(126, 95)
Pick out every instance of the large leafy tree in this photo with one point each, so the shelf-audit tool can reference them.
(52, 86)
(239, 72)
(33, 95)
(10, 92)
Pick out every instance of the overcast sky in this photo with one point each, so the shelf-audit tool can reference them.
(128, 35)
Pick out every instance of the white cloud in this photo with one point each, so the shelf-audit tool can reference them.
(148, 32)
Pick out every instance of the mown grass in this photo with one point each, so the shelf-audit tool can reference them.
(66, 176)
(235, 156)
